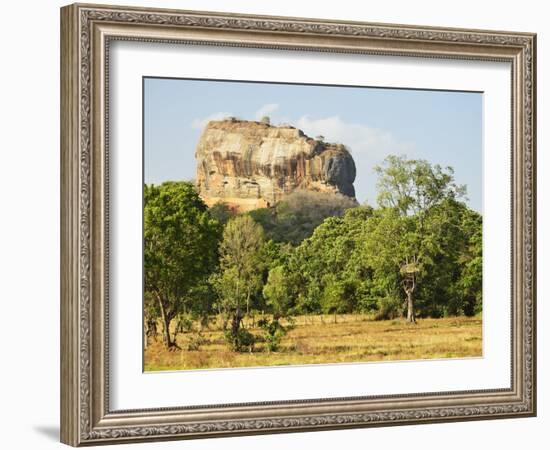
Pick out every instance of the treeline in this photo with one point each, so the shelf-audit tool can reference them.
(417, 254)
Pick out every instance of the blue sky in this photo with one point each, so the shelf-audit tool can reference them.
(442, 127)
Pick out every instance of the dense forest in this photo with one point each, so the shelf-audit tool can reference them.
(416, 254)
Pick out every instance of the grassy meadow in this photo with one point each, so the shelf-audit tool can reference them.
(325, 339)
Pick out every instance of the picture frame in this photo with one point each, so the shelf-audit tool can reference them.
(87, 32)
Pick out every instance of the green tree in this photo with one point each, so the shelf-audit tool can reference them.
(241, 270)
(338, 295)
(326, 272)
(180, 250)
(447, 287)
(279, 301)
(470, 281)
(385, 249)
(221, 212)
(410, 191)
(413, 186)
(276, 292)
(150, 317)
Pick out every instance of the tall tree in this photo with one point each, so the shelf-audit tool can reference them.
(180, 249)
(412, 189)
(276, 292)
(241, 269)
(325, 272)
(470, 283)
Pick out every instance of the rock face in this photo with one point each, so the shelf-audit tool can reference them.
(254, 164)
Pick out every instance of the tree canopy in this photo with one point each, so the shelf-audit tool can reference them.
(418, 253)
(241, 270)
(414, 197)
(180, 250)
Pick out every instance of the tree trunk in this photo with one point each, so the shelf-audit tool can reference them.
(236, 322)
(410, 307)
(145, 333)
(165, 325)
(166, 330)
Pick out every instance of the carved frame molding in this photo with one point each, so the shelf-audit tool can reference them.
(86, 32)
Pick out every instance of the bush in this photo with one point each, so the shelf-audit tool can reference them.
(244, 340)
(221, 212)
(389, 308)
(184, 323)
(195, 342)
(273, 333)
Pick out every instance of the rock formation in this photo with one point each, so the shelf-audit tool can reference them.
(254, 164)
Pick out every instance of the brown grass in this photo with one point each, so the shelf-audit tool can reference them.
(318, 340)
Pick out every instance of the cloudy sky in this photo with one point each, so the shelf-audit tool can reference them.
(442, 127)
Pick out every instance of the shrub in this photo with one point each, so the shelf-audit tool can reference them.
(195, 342)
(184, 323)
(273, 333)
(242, 341)
(389, 308)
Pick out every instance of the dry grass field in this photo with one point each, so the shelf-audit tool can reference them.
(318, 340)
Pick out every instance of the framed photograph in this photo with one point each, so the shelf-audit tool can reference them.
(276, 224)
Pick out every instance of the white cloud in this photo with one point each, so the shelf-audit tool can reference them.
(266, 110)
(201, 123)
(359, 138)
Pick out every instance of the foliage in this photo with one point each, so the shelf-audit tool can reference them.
(389, 307)
(221, 212)
(276, 292)
(184, 323)
(273, 333)
(241, 272)
(469, 283)
(240, 340)
(195, 341)
(418, 253)
(279, 299)
(411, 194)
(150, 315)
(413, 186)
(295, 217)
(180, 250)
(327, 273)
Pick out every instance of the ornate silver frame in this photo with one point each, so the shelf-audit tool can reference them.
(86, 31)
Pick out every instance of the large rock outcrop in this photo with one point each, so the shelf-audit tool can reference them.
(254, 164)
